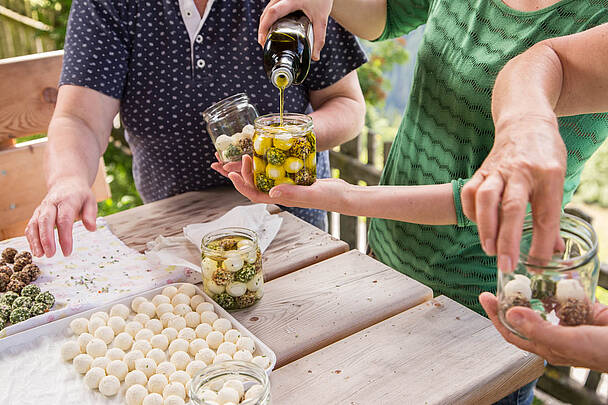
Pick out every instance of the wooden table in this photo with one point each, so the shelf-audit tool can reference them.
(347, 329)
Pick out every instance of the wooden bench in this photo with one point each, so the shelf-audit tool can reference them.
(28, 92)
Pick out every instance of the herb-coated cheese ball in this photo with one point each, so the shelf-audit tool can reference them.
(243, 355)
(142, 345)
(93, 377)
(236, 385)
(118, 369)
(101, 362)
(26, 302)
(227, 394)
(37, 308)
(194, 367)
(176, 389)
(180, 377)
(166, 317)
(157, 355)
(153, 399)
(82, 363)
(215, 339)
(178, 323)
(159, 342)
(155, 325)
(187, 334)
(109, 385)
(132, 327)
(101, 314)
(178, 345)
(147, 308)
(166, 368)
(46, 298)
(95, 323)
(135, 394)
(170, 291)
(144, 334)
(227, 347)
(188, 289)
(170, 333)
(97, 348)
(222, 324)
(131, 357)
(209, 317)
(123, 341)
(146, 366)
(196, 301)
(204, 307)
(180, 360)
(203, 330)
(115, 353)
(120, 310)
(136, 301)
(262, 361)
(79, 326)
(19, 314)
(180, 298)
(254, 392)
(232, 335)
(157, 383)
(83, 340)
(174, 400)
(161, 299)
(135, 377)
(8, 298)
(164, 309)
(206, 355)
(220, 358)
(245, 343)
(193, 319)
(117, 324)
(104, 333)
(197, 345)
(182, 309)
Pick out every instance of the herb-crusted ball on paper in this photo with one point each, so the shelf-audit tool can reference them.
(31, 291)
(32, 271)
(22, 302)
(46, 298)
(26, 256)
(38, 308)
(5, 312)
(15, 286)
(20, 264)
(8, 298)
(4, 280)
(19, 314)
(8, 255)
(4, 269)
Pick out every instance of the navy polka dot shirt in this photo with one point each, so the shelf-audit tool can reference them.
(167, 64)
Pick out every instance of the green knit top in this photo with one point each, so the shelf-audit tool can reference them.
(447, 130)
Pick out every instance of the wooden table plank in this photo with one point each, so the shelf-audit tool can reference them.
(436, 353)
(321, 304)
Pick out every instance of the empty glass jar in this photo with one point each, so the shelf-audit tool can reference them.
(561, 290)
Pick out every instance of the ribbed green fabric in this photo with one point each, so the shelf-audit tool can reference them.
(447, 130)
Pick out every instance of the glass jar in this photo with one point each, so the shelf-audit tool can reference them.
(232, 267)
(249, 380)
(561, 290)
(284, 153)
(230, 126)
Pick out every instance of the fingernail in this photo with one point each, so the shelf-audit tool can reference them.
(275, 193)
(489, 246)
(504, 264)
(515, 319)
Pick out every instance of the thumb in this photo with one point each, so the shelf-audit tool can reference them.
(530, 324)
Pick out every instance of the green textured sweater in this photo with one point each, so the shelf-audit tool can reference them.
(447, 130)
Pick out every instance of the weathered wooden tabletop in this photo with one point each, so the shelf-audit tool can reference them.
(347, 329)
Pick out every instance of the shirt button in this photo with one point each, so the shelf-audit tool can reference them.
(199, 38)
(200, 63)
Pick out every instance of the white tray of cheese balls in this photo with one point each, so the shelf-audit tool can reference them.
(142, 349)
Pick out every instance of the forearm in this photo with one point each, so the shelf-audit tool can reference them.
(338, 120)
(364, 18)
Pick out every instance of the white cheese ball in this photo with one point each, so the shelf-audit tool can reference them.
(181, 309)
(94, 324)
(136, 377)
(209, 317)
(227, 394)
(93, 377)
(79, 326)
(209, 267)
(188, 289)
(517, 287)
(135, 394)
(178, 345)
(146, 366)
(123, 341)
(153, 399)
(118, 369)
(214, 288)
(174, 400)
(101, 362)
(220, 358)
(155, 326)
(83, 340)
(159, 342)
(170, 333)
(231, 335)
(196, 301)
(166, 317)
(197, 345)
(144, 334)
(176, 389)
(157, 383)
(109, 385)
(252, 257)
(105, 333)
(164, 308)
(133, 327)
(142, 318)
(180, 298)
(222, 142)
(120, 310)
(147, 308)
(180, 360)
(161, 299)
(245, 343)
(193, 319)
(256, 282)
(209, 395)
(569, 288)
(97, 348)
(82, 363)
(117, 324)
(203, 330)
(236, 289)
(136, 301)
(243, 355)
(236, 385)
(248, 130)
(101, 314)
(254, 392)
(523, 278)
(233, 262)
(157, 355)
(222, 324)
(131, 357)
(166, 368)
(205, 355)
(262, 361)
(180, 377)
(204, 307)
(215, 339)
(142, 345)
(227, 347)
(194, 367)
(115, 353)
(178, 323)
(170, 291)
(187, 334)
(259, 293)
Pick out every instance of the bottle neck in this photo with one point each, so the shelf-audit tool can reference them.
(282, 75)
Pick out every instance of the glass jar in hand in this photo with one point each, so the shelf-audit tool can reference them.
(284, 153)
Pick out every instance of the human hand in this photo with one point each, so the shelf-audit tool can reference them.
(317, 12)
(526, 164)
(579, 346)
(65, 201)
(225, 168)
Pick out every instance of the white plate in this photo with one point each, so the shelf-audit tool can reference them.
(32, 371)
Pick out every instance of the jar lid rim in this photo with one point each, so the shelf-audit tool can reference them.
(229, 231)
(227, 102)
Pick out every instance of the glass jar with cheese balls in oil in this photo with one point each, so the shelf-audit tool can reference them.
(232, 267)
(284, 153)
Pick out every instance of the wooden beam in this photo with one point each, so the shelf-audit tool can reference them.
(30, 22)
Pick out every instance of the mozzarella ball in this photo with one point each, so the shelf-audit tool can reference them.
(243, 355)
(205, 355)
(188, 289)
(142, 345)
(197, 345)
(569, 288)
(215, 339)
(194, 367)
(83, 340)
(159, 342)
(209, 317)
(204, 307)
(180, 360)
(133, 327)
(97, 348)
(79, 326)
(101, 314)
(193, 319)
(228, 348)
(254, 392)
(147, 308)
(180, 377)
(187, 334)
(144, 334)
(135, 303)
(256, 282)
(155, 326)
(245, 244)
(131, 357)
(136, 377)
(94, 324)
(166, 368)
(178, 323)
(262, 361)
(222, 324)
(153, 399)
(123, 341)
(220, 358)
(523, 278)
(227, 394)
(143, 318)
(245, 343)
(233, 262)
(166, 317)
(236, 385)
(82, 363)
(236, 289)
(259, 293)
(161, 299)
(115, 353)
(176, 389)
(209, 266)
(517, 287)
(135, 394)
(157, 355)
(174, 400)
(209, 395)
(93, 377)
(170, 291)
(105, 333)
(196, 301)
(178, 345)
(223, 142)
(109, 385)
(117, 324)
(118, 369)
(231, 335)
(170, 333)
(146, 366)
(120, 310)
(164, 309)
(180, 298)
(214, 288)
(181, 309)
(157, 383)
(101, 362)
